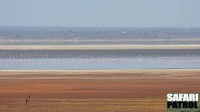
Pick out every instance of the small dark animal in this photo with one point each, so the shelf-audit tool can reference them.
(27, 99)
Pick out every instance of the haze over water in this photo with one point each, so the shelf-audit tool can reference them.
(98, 59)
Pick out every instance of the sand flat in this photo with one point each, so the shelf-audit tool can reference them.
(103, 74)
(95, 90)
(94, 47)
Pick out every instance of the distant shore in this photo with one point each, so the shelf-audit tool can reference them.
(94, 47)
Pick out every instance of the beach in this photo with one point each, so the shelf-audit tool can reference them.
(96, 90)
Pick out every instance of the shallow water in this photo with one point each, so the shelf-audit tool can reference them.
(99, 59)
(183, 62)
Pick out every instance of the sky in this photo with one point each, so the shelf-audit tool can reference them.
(100, 13)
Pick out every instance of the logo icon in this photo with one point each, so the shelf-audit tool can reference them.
(182, 102)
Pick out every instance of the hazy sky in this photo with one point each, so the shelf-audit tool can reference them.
(100, 13)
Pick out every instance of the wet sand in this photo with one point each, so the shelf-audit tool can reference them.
(93, 91)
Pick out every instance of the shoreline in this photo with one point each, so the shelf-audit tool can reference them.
(102, 74)
(95, 47)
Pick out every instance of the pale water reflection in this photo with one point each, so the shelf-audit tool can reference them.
(181, 62)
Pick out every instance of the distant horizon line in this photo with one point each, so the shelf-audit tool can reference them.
(104, 26)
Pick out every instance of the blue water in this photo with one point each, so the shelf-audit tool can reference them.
(99, 59)
(170, 62)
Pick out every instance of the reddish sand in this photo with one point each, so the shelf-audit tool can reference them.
(96, 92)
